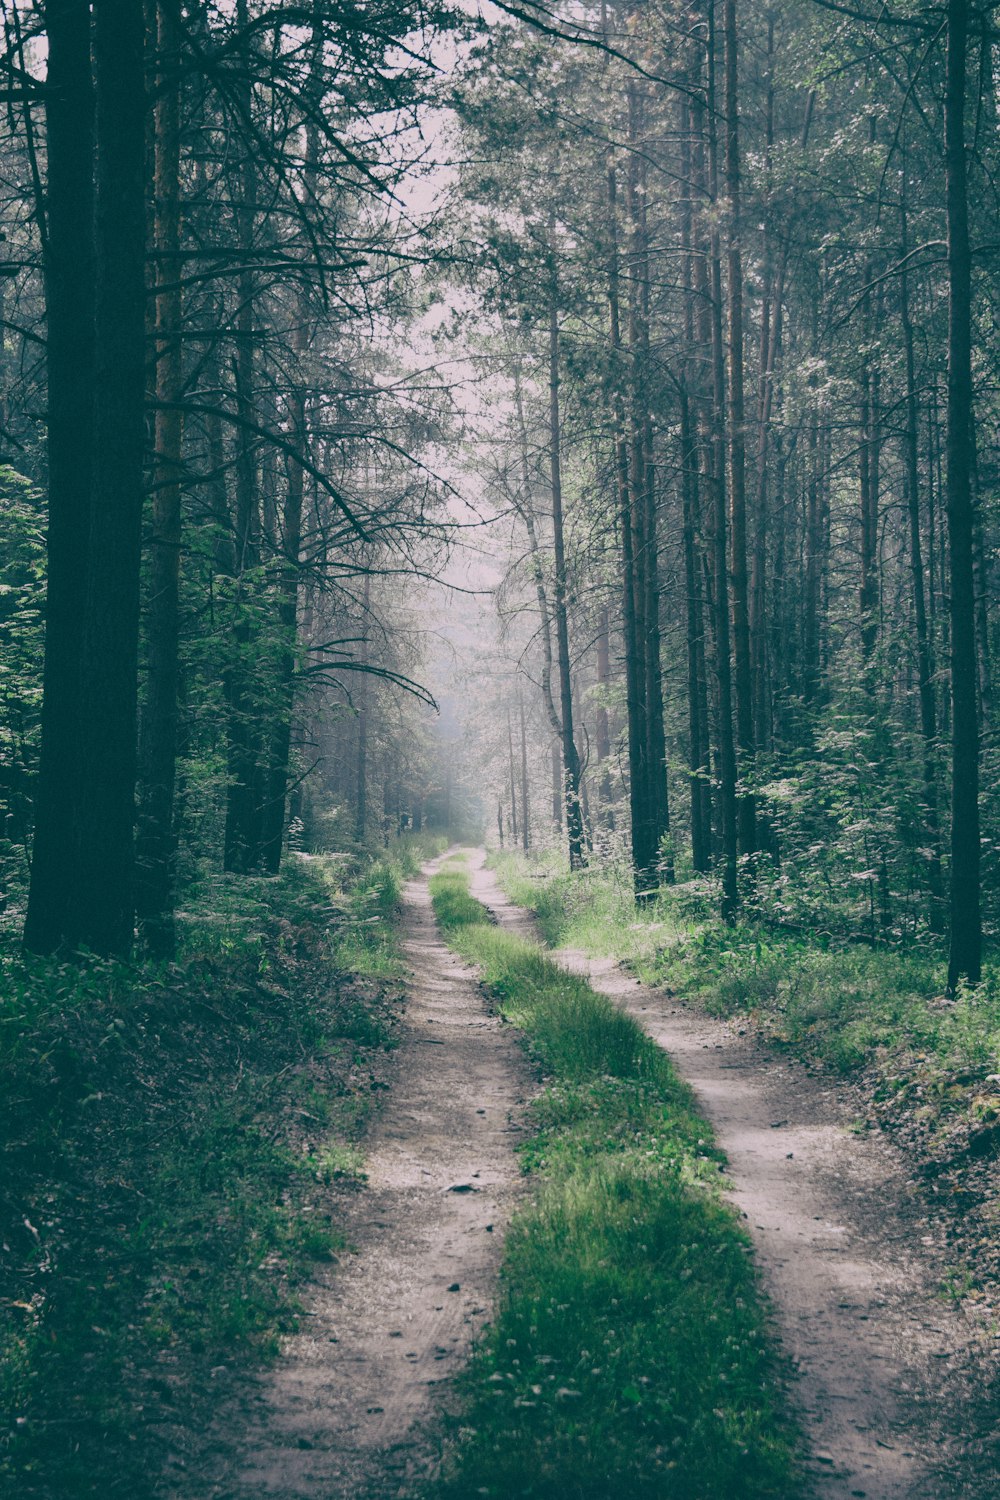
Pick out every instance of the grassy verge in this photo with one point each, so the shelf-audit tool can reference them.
(928, 1069)
(629, 1353)
(174, 1139)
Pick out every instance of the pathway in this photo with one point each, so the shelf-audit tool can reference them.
(889, 1373)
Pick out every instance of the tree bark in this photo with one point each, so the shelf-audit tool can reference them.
(716, 476)
(156, 848)
(245, 799)
(925, 662)
(965, 955)
(69, 295)
(104, 904)
(571, 759)
(525, 797)
(745, 812)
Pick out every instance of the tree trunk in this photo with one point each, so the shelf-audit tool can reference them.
(602, 729)
(571, 760)
(513, 779)
(925, 663)
(643, 853)
(273, 819)
(716, 475)
(698, 729)
(245, 799)
(158, 746)
(965, 956)
(104, 905)
(745, 813)
(525, 799)
(69, 295)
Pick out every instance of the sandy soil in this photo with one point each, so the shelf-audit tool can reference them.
(353, 1406)
(889, 1374)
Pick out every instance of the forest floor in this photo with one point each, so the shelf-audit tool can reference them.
(353, 1406)
(893, 1376)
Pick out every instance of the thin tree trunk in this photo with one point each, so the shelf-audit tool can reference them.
(571, 759)
(965, 956)
(643, 855)
(925, 664)
(698, 728)
(513, 779)
(273, 819)
(602, 728)
(723, 668)
(245, 799)
(361, 764)
(156, 848)
(746, 828)
(69, 297)
(525, 798)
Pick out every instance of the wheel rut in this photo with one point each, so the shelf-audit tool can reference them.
(352, 1407)
(888, 1374)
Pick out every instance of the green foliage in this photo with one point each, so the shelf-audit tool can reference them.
(629, 1351)
(875, 1012)
(170, 1137)
(22, 591)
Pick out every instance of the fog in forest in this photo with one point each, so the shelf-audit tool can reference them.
(499, 755)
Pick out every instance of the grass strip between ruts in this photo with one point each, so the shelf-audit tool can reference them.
(629, 1354)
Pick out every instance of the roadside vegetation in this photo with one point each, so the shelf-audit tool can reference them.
(176, 1138)
(629, 1353)
(927, 1067)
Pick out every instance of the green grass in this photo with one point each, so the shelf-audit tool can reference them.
(629, 1354)
(169, 1137)
(846, 1005)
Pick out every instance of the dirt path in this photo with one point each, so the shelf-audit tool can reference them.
(889, 1373)
(350, 1408)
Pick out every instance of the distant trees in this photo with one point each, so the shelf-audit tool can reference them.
(774, 278)
(209, 201)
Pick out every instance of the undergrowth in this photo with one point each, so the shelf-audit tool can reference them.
(846, 1005)
(169, 1137)
(629, 1352)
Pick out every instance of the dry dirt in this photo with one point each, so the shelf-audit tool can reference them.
(890, 1374)
(352, 1408)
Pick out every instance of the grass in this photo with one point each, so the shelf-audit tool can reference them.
(170, 1135)
(629, 1354)
(848, 1006)
(928, 1068)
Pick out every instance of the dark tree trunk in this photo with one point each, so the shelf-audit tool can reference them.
(965, 956)
(745, 813)
(245, 799)
(158, 745)
(513, 779)
(925, 662)
(698, 727)
(571, 759)
(557, 786)
(525, 798)
(602, 728)
(104, 905)
(361, 765)
(69, 292)
(716, 475)
(643, 854)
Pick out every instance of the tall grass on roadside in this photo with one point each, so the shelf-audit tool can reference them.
(629, 1355)
(845, 1004)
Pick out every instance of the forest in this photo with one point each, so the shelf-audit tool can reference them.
(499, 526)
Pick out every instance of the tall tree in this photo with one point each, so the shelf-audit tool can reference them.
(965, 955)
(68, 244)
